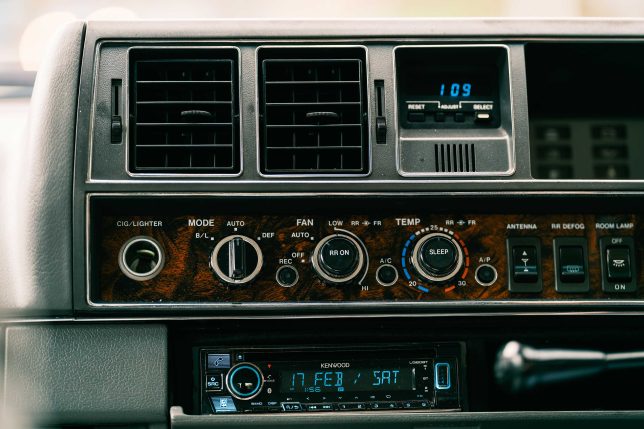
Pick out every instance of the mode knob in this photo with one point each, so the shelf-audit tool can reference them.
(338, 258)
(437, 257)
(236, 259)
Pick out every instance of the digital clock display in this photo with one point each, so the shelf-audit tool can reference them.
(477, 84)
(456, 89)
(459, 86)
(347, 380)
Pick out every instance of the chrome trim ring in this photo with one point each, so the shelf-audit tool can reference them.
(215, 266)
(429, 276)
(133, 274)
(337, 280)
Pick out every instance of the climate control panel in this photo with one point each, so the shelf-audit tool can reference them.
(218, 254)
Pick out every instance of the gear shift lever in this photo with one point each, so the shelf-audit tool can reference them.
(519, 367)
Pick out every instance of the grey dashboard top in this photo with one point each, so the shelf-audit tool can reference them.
(369, 28)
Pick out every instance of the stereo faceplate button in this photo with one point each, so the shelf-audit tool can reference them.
(223, 404)
(214, 383)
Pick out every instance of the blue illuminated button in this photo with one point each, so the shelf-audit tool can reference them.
(218, 361)
(223, 404)
(442, 379)
(244, 381)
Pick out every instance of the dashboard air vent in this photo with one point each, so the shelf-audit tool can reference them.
(455, 158)
(184, 111)
(313, 111)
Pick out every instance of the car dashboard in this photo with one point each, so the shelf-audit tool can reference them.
(417, 223)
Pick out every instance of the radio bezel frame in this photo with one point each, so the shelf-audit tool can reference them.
(455, 351)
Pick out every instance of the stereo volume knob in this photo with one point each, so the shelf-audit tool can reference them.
(236, 259)
(338, 258)
(244, 381)
(437, 257)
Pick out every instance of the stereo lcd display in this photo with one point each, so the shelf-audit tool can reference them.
(348, 380)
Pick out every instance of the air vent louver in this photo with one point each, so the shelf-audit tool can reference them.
(184, 111)
(313, 115)
(455, 158)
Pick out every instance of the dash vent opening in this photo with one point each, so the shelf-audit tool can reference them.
(184, 111)
(313, 117)
(455, 158)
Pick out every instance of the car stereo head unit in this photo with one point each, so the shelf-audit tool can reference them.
(419, 378)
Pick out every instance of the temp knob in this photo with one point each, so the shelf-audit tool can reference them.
(236, 259)
(244, 381)
(338, 258)
(437, 257)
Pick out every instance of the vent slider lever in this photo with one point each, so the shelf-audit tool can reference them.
(196, 115)
(322, 115)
